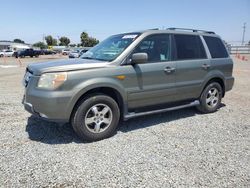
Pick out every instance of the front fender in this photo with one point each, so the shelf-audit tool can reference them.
(94, 83)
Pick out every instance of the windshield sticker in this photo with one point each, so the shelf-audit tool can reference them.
(129, 36)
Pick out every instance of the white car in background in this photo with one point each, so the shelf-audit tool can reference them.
(65, 52)
(74, 54)
(6, 53)
(77, 53)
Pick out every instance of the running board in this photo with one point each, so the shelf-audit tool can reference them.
(133, 114)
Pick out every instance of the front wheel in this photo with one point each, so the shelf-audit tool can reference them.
(210, 98)
(96, 117)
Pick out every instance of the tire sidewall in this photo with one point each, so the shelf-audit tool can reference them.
(79, 119)
(204, 96)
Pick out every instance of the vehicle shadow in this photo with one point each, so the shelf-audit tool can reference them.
(49, 132)
(54, 133)
(155, 119)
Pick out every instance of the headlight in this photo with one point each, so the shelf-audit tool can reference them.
(52, 80)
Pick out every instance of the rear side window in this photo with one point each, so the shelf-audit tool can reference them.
(189, 47)
(216, 47)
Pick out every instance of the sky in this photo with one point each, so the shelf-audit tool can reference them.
(30, 20)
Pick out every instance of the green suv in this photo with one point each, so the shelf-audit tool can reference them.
(130, 75)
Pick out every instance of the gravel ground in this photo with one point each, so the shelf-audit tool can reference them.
(176, 149)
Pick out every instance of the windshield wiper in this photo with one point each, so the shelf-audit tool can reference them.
(87, 58)
(93, 58)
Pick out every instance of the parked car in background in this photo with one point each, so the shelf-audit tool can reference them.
(27, 52)
(83, 51)
(6, 53)
(77, 53)
(65, 52)
(74, 54)
(47, 52)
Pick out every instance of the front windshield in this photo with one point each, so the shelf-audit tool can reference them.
(110, 48)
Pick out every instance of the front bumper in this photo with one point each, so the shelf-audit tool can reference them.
(49, 117)
(50, 105)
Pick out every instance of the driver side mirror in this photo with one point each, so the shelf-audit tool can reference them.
(139, 58)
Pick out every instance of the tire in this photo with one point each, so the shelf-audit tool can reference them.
(1, 55)
(96, 117)
(210, 98)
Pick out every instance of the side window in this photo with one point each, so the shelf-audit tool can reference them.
(189, 47)
(216, 47)
(156, 46)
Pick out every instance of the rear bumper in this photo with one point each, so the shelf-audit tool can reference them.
(229, 82)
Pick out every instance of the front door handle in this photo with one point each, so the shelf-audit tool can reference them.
(205, 66)
(169, 69)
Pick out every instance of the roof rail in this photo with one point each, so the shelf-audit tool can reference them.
(193, 30)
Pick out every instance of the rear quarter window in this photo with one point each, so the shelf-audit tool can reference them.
(216, 47)
(189, 47)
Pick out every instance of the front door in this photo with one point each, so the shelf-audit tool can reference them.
(154, 80)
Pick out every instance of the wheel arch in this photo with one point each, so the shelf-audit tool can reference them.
(217, 79)
(107, 90)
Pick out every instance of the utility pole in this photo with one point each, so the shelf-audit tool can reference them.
(243, 35)
(43, 38)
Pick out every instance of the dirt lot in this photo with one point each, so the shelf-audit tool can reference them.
(176, 149)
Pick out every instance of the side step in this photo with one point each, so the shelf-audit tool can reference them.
(133, 114)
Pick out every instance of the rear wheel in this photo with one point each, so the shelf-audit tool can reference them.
(96, 117)
(210, 98)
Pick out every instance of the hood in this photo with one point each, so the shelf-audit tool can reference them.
(66, 65)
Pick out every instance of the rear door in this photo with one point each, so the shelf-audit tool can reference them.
(192, 65)
(154, 80)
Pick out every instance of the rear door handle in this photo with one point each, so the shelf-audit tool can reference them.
(169, 69)
(205, 66)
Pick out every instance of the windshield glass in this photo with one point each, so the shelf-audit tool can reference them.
(110, 48)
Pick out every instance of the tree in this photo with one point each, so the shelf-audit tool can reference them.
(50, 41)
(40, 45)
(84, 38)
(18, 41)
(92, 42)
(88, 41)
(64, 41)
(249, 43)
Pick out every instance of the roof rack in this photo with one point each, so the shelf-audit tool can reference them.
(193, 30)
